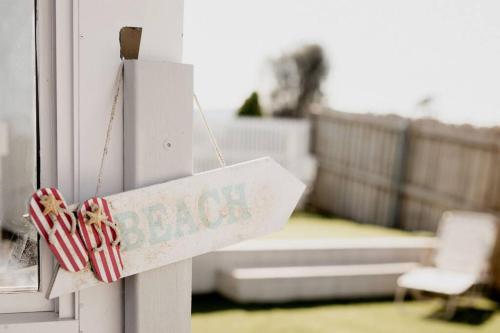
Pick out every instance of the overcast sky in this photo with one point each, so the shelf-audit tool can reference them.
(386, 55)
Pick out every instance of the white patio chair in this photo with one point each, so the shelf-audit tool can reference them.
(466, 242)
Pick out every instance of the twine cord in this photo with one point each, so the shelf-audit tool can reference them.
(118, 85)
(222, 162)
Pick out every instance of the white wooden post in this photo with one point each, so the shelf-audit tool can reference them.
(157, 148)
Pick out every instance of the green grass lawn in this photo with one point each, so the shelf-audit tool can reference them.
(213, 314)
(307, 225)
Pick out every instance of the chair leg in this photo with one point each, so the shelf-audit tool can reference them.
(417, 294)
(400, 294)
(399, 298)
(451, 306)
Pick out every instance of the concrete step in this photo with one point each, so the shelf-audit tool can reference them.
(307, 283)
(309, 252)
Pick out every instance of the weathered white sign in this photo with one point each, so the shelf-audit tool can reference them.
(169, 222)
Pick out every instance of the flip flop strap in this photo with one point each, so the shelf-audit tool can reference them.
(55, 223)
(115, 242)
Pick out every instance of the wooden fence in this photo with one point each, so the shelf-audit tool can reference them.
(396, 172)
(391, 171)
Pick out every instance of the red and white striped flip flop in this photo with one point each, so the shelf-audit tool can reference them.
(101, 238)
(57, 226)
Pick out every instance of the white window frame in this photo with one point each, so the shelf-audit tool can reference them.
(25, 311)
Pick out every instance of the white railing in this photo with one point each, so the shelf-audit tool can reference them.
(242, 139)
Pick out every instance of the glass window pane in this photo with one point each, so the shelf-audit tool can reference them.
(18, 147)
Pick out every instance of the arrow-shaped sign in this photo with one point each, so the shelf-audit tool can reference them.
(187, 217)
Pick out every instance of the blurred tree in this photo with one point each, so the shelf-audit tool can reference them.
(299, 76)
(251, 107)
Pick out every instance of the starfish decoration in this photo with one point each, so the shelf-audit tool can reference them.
(95, 217)
(50, 204)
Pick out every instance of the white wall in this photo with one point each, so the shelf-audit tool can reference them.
(87, 64)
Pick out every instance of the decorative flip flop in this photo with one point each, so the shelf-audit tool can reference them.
(101, 237)
(57, 225)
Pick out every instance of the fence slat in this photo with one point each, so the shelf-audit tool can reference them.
(368, 171)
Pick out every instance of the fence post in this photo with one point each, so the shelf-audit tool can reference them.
(400, 175)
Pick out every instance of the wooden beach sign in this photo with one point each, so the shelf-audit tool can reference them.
(187, 217)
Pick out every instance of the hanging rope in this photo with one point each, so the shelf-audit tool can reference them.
(222, 162)
(117, 86)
